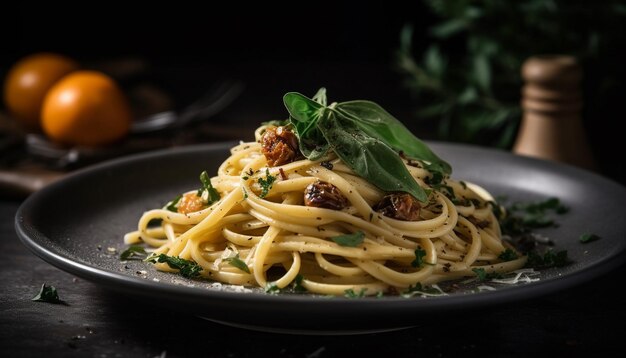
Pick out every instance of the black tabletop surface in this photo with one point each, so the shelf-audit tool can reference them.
(100, 323)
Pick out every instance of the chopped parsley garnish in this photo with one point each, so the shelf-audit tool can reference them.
(208, 193)
(521, 218)
(134, 252)
(435, 179)
(266, 183)
(349, 293)
(482, 275)
(542, 206)
(271, 288)
(507, 255)
(419, 258)
(245, 193)
(187, 268)
(47, 294)
(297, 284)
(172, 205)
(349, 240)
(238, 263)
(548, 259)
(418, 288)
(585, 238)
(445, 189)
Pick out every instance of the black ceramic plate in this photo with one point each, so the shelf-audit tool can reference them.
(76, 223)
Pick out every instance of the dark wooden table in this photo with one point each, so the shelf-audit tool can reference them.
(95, 322)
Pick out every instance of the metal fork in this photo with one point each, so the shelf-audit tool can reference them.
(212, 102)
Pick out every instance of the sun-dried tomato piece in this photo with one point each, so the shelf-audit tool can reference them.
(400, 206)
(321, 194)
(279, 145)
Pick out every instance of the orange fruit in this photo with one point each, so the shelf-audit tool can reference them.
(29, 80)
(85, 108)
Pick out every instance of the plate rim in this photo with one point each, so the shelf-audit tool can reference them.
(139, 286)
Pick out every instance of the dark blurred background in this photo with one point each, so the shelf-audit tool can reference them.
(383, 51)
(348, 48)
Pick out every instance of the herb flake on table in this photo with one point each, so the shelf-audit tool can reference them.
(47, 294)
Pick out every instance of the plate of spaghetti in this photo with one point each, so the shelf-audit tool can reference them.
(338, 216)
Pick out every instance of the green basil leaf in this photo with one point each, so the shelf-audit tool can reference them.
(320, 97)
(369, 157)
(349, 240)
(304, 114)
(378, 123)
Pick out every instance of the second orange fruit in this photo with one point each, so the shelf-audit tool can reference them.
(85, 108)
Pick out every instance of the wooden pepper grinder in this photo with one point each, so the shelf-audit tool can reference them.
(551, 126)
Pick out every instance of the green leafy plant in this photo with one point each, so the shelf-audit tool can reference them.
(468, 79)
